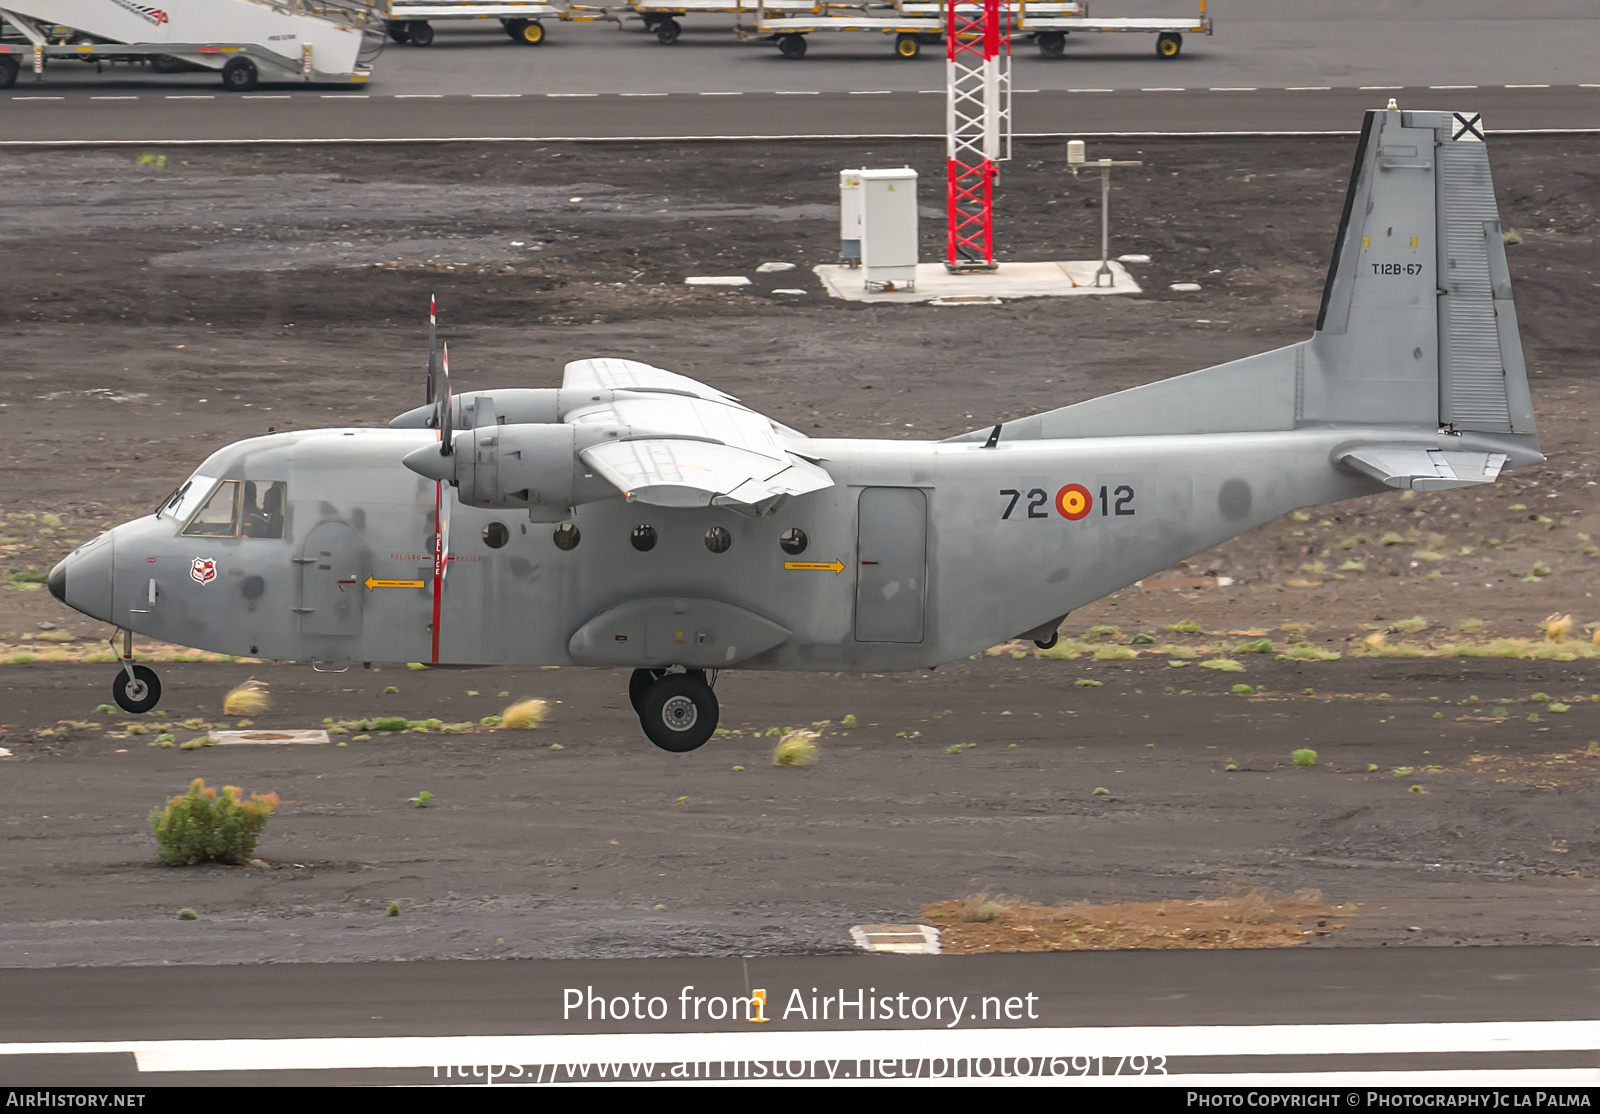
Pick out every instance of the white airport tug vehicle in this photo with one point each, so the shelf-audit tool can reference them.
(411, 21)
(245, 41)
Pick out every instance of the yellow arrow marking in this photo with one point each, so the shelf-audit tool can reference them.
(834, 566)
(374, 582)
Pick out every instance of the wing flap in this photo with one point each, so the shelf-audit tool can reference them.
(623, 375)
(1421, 468)
(667, 472)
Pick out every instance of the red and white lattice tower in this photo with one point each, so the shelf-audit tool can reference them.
(977, 125)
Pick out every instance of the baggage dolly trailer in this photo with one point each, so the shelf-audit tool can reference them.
(1050, 29)
(245, 41)
(663, 18)
(411, 21)
(913, 24)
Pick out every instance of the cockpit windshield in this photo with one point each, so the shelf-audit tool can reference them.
(186, 497)
(233, 508)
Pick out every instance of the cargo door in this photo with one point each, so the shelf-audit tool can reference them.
(891, 564)
(333, 569)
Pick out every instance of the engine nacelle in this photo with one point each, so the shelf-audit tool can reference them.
(506, 406)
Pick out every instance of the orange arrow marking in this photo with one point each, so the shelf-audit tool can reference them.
(374, 582)
(834, 566)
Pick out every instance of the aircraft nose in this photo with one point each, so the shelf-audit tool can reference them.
(82, 580)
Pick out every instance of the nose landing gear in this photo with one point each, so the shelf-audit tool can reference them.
(678, 711)
(136, 689)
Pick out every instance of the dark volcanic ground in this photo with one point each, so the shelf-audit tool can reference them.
(153, 312)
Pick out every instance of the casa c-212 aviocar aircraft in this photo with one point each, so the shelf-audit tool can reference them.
(633, 517)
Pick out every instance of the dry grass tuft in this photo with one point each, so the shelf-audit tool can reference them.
(248, 699)
(1253, 919)
(1557, 627)
(797, 748)
(524, 715)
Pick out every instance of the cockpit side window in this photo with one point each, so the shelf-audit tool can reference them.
(219, 517)
(263, 508)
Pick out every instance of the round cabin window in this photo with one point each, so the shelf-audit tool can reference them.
(496, 534)
(718, 539)
(793, 541)
(567, 536)
(644, 538)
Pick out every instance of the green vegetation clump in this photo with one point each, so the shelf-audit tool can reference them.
(797, 748)
(1305, 756)
(1186, 626)
(1222, 665)
(203, 825)
(389, 723)
(394, 909)
(1243, 690)
(1256, 646)
(187, 914)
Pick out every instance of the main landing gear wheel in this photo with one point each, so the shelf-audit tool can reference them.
(907, 46)
(240, 75)
(667, 32)
(1052, 44)
(680, 712)
(421, 33)
(1168, 44)
(792, 46)
(639, 684)
(139, 693)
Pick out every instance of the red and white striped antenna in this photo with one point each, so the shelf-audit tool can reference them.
(978, 125)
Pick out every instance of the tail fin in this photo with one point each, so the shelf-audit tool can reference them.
(1417, 331)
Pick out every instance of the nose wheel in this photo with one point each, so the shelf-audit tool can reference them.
(136, 689)
(678, 711)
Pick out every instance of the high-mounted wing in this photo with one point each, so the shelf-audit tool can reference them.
(1423, 469)
(679, 443)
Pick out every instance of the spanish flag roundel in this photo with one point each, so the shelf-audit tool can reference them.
(1074, 502)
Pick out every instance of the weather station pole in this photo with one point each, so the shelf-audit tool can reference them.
(977, 126)
(1075, 159)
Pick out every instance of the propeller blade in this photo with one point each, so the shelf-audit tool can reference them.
(433, 345)
(447, 419)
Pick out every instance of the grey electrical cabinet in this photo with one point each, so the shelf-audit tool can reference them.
(889, 228)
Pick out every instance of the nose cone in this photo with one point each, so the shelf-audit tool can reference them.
(428, 462)
(83, 580)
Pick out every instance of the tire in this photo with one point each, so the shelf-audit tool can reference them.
(667, 32)
(907, 46)
(680, 713)
(139, 695)
(1168, 44)
(532, 33)
(792, 46)
(1046, 643)
(638, 684)
(9, 69)
(399, 31)
(514, 28)
(1052, 44)
(240, 75)
(421, 33)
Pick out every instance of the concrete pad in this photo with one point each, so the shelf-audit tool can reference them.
(1010, 280)
(905, 939)
(268, 738)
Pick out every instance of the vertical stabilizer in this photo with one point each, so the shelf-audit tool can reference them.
(1417, 326)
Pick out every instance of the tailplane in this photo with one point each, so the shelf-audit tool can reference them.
(1417, 331)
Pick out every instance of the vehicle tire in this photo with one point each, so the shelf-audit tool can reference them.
(514, 28)
(1168, 44)
(792, 46)
(399, 31)
(532, 33)
(1046, 643)
(240, 75)
(421, 33)
(140, 694)
(9, 69)
(680, 712)
(907, 46)
(667, 32)
(1052, 44)
(639, 684)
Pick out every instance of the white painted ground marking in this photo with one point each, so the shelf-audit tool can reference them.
(346, 96)
(267, 96)
(420, 96)
(1370, 88)
(1232, 89)
(870, 92)
(327, 1053)
(723, 94)
(113, 98)
(1163, 89)
(641, 94)
(1527, 86)
(1307, 88)
(1091, 90)
(190, 97)
(572, 94)
(1452, 87)
(37, 98)
(801, 93)
(495, 96)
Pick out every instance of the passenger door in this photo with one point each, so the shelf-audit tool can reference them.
(891, 564)
(333, 570)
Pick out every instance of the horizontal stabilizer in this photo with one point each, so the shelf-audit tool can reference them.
(1423, 469)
